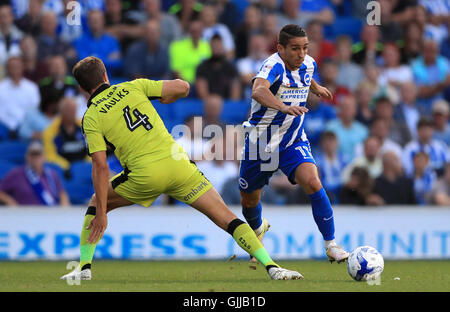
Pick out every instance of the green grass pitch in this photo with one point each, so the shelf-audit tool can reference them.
(218, 276)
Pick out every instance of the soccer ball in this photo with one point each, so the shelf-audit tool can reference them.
(365, 263)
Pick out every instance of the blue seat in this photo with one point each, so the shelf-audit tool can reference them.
(79, 193)
(81, 172)
(163, 109)
(184, 108)
(58, 169)
(344, 26)
(13, 152)
(5, 167)
(235, 112)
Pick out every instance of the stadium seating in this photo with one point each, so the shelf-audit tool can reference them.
(13, 152)
(235, 112)
(344, 26)
(79, 193)
(5, 167)
(81, 172)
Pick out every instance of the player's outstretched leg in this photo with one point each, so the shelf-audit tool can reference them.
(83, 271)
(252, 212)
(212, 205)
(307, 177)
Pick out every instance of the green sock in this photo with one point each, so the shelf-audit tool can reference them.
(87, 250)
(246, 238)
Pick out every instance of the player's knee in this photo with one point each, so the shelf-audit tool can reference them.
(312, 185)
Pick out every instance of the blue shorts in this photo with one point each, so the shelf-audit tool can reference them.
(253, 175)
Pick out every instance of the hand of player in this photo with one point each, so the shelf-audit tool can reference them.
(97, 226)
(324, 92)
(294, 110)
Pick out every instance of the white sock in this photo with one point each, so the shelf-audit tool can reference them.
(330, 243)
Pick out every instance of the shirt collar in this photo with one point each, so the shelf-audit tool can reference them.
(97, 92)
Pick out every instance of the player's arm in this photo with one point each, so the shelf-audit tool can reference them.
(100, 178)
(320, 91)
(172, 90)
(262, 94)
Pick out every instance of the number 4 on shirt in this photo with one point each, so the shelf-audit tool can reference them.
(142, 119)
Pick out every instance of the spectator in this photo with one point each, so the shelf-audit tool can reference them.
(314, 29)
(192, 139)
(357, 189)
(69, 32)
(119, 25)
(58, 81)
(432, 75)
(63, 139)
(393, 72)
(17, 95)
(364, 95)
(250, 25)
(329, 79)
(48, 42)
(413, 40)
(370, 160)
(10, 35)
(330, 165)
(33, 184)
(186, 11)
(384, 109)
(213, 28)
(212, 109)
(270, 31)
(247, 67)
(228, 13)
(186, 54)
(441, 121)
(97, 42)
(217, 74)
(319, 114)
(380, 129)
(440, 194)
(320, 10)
(170, 28)
(359, 8)
(437, 151)
(424, 178)
(34, 69)
(370, 47)
(346, 67)
(37, 120)
(406, 112)
(148, 58)
(348, 131)
(390, 29)
(445, 44)
(438, 12)
(392, 187)
(291, 13)
(30, 22)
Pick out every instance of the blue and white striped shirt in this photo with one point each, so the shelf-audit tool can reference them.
(291, 88)
(437, 151)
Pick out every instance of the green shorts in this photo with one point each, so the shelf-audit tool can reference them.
(178, 178)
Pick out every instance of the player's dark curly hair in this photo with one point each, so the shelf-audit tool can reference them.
(288, 32)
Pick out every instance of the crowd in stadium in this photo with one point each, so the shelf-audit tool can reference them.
(383, 139)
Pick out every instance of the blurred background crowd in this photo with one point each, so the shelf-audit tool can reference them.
(384, 138)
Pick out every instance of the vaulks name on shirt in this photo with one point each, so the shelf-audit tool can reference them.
(111, 101)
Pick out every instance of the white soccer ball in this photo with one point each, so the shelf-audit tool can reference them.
(365, 263)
